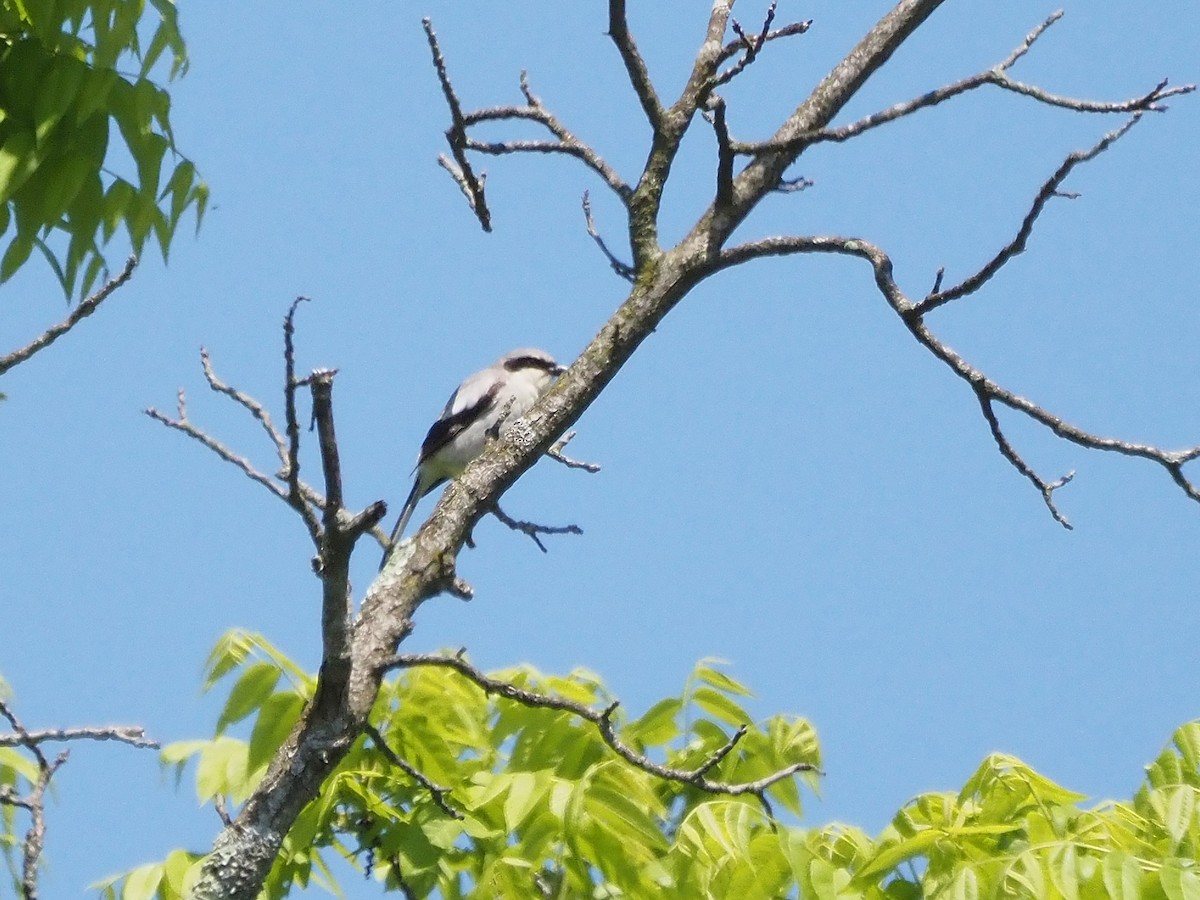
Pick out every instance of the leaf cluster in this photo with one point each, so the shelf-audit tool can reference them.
(63, 88)
(511, 801)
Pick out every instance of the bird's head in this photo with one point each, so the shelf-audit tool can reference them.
(532, 363)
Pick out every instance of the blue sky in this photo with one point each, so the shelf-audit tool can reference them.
(790, 483)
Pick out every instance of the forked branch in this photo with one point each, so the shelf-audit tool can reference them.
(997, 76)
(33, 801)
(602, 719)
(988, 391)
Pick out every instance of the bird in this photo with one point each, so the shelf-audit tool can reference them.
(481, 408)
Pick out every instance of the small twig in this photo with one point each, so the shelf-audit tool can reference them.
(438, 793)
(456, 136)
(1017, 245)
(556, 453)
(623, 269)
(1046, 489)
(295, 495)
(222, 810)
(724, 154)
(184, 426)
(721, 752)
(733, 48)
(794, 185)
(937, 279)
(602, 719)
(750, 47)
(133, 735)
(256, 409)
(1029, 41)
(85, 308)
(532, 530)
(567, 143)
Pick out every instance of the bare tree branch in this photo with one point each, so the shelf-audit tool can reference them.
(34, 802)
(532, 529)
(85, 308)
(985, 388)
(623, 269)
(1045, 488)
(1017, 245)
(635, 66)
(134, 735)
(256, 409)
(439, 794)
(997, 76)
(567, 143)
(602, 719)
(295, 494)
(460, 170)
(734, 47)
(354, 525)
(556, 453)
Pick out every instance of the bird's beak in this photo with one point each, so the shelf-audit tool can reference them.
(558, 370)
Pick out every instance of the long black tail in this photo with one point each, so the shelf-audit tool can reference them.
(405, 514)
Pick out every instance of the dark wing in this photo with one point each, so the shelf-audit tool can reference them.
(473, 399)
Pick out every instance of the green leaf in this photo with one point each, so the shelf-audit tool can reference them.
(1122, 876)
(965, 885)
(14, 257)
(658, 725)
(180, 871)
(275, 721)
(58, 89)
(1176, 807)
(249, 693)
(525, 789)
(17, 162)
(1179, 880)
(222, 769)
(142, 883)
(891, 857)
(722, 682)
(720, 707)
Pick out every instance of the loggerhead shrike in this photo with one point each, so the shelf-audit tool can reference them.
(495, 396)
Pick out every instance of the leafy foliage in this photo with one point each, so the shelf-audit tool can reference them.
(61, 92)
(547, 809)
(545, 804)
